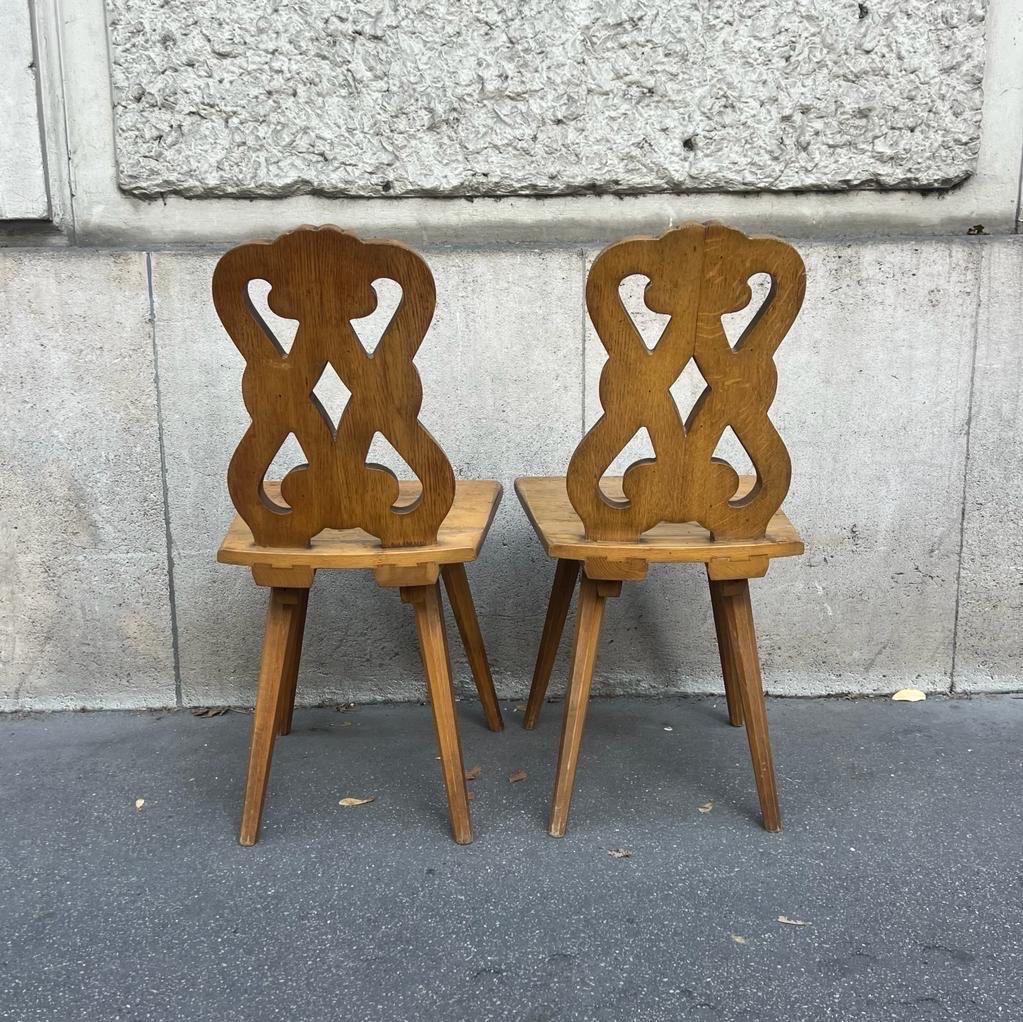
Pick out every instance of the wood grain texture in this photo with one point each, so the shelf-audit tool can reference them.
(437, 667)
(685, 505)
(337, 511)
(456, 582)
(281, 621)
(299, 576)
(459, 538)
(565, 575)
(292, 660)
(589, 618)
(740, 650)
(697, 273)
(729, 663)
(557, 523)
(322, 277)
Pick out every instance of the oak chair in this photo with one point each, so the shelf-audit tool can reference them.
(337, 511)
(685, 505)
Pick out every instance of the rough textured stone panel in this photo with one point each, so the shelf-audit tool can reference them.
(425, 97)
(501, 372)
(84, 602)
(873, 404)
(989, 647)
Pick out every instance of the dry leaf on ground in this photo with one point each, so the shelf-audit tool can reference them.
(472, 773)
(793, 922)
(209, 711)
(520, 709)
(738, 939)
(706, 807)
(139, 803)
(908, 695)
(620, 853)
(349, 801)
(517, 775)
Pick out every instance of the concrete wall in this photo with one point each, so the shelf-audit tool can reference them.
(84, 597)
(899, 400)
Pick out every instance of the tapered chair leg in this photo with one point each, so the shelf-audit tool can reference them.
(729, 666)
(565, 575)
(741, 640)
(281, 621)
(292, 659)
(433, 646)
(589, 617)
(456, 583)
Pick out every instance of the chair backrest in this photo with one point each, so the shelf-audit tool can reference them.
(323, 277)
(697, 273)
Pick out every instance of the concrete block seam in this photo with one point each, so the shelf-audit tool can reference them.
(980, 267)
(171, 596)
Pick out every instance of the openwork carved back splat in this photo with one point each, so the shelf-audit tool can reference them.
(323, 277)
(697, 273)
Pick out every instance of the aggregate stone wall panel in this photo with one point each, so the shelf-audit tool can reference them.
(423, 97)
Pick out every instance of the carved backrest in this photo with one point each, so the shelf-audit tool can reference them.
(323, 278)
(697, 273)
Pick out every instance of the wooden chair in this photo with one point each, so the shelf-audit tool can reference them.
(684, 505)
(337, 511)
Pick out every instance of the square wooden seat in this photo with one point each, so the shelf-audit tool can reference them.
(561, 531)
(459, 539)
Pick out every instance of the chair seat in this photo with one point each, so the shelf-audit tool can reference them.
(459, 538)
(545, 500)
